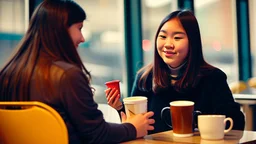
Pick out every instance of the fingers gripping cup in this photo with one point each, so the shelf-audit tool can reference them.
(182, 116)
(114, 84)
(135, 105)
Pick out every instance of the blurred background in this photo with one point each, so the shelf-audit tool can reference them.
(120, 35)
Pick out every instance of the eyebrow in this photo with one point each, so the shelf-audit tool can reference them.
(174, 33)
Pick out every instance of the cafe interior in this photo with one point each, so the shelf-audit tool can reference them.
(119, 40)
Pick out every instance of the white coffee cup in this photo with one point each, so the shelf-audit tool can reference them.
(135, 105)
(212, 127)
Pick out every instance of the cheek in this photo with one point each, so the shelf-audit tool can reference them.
(159, 44)
(72, 35)
(158, 47)
(184, 52)
(186, 49)
(183, 47)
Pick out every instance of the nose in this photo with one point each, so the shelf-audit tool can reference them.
(169, 44)
(82, 39)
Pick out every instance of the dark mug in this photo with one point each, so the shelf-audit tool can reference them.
(182, 116)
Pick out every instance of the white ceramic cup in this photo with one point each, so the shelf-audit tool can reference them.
(135, 105)
(212, 127)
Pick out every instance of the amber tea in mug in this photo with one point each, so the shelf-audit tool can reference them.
(182, 116)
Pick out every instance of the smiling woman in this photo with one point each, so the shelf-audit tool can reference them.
(179, 72)
(172, 43)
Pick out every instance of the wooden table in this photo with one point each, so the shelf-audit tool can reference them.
(233, 137)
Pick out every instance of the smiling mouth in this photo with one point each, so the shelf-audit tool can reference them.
(169, 52)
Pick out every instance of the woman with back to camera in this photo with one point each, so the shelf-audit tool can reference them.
(179, 72)
(47, 68)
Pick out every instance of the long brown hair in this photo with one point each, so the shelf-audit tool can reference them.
(195, 61)
(47, 34)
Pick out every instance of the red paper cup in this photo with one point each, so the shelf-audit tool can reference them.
(113, 84)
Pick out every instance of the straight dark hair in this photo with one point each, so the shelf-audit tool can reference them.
(195, 61)
(47, 35)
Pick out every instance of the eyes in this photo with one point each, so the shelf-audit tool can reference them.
(178, 38)
(163, 36)
(80, 28)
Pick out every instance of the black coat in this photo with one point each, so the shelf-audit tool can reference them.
(211, 96)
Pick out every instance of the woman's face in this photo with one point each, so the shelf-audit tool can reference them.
(172, 43)
(76, 34)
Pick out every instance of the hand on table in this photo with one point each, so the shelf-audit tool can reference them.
(142, 122)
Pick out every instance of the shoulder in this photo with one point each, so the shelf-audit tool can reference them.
(217, 73)
(213, 74)
(63, 70)
(69, 78)
(143, 80)
(63, 66)
(145, 76)
(145, 71)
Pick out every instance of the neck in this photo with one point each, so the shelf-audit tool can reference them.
(175, 71)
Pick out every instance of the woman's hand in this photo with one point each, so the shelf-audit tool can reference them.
(141, 122)
(113, 98)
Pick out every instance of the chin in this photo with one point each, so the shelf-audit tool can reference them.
(172, 64)
(168, 62)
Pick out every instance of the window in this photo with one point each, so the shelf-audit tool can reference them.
(103, 51)
(218, 32)
(12, 26)
(252, 17)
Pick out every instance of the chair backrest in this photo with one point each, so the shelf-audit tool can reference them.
(31, 123)
(109, 113)
(237, 87)
(252, 82)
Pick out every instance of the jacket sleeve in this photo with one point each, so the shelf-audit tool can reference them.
(77, 99)
(136, 90)
(223, 101)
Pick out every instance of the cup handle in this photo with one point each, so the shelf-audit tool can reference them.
(162, 111)
(195, 119)
(231, 124)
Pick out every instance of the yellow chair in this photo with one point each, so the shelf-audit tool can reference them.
(31, 123)
(252, 82)
(237, 87)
